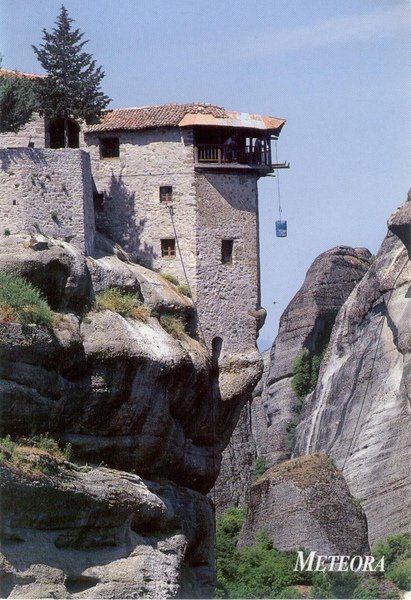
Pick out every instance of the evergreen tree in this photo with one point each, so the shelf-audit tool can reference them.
(72, 86)
(17, 101)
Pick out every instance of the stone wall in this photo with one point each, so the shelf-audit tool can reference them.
(132, 213)
(48, 191)
(228, 294)
(33, 132)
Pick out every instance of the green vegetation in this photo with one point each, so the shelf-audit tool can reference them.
(72, 86)
(306, 367)
(7, 232)
(170, 278)
(173, 325)
(260, 467)
(397, 552)
(21, 302)
(256, 571)
(261, 571)
(123, 303)
(27, 453)
(17, 102)
(181, 288)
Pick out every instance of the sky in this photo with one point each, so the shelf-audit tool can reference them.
(337, 70)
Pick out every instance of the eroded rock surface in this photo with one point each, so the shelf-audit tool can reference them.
(306, 503)
(263, 427)
(125, 392)
(359, 413)
(98, 533)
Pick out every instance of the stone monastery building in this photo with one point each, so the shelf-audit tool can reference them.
(174, 185)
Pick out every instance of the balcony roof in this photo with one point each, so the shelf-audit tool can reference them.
(182, 115)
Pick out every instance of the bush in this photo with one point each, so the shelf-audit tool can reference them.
(400, 573)
(392, 547)
(173, 325)
(305, 373)
(123, 303)
(20, 301)
(256, 571)
(260, 467)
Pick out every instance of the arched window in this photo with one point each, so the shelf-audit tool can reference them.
(56, 133)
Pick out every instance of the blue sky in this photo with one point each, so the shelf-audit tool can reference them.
(338, 70)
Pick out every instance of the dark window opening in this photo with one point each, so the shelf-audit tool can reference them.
(56, 133)
(109, 147)
(168, 247)
(98, 201)
(227, 251)
(166, 193)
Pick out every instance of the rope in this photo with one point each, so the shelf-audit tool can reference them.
(280, 210)
(372, 366)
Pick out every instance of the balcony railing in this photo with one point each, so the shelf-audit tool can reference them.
(233, 154)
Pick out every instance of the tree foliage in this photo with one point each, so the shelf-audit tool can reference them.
(256, 571)
(72, 86)
(18, 101)
(306, 367)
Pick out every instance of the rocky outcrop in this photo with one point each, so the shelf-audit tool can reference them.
(359, 412)
(98, 533)
(305, 503)
(305, 324)
(123, 391)
(263, 427)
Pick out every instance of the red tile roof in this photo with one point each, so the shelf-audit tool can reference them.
(18, 74)
(147, 117)
(174, 115)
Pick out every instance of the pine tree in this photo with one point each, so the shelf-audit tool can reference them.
(72, 86)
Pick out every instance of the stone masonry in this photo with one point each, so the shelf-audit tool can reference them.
(47, 191)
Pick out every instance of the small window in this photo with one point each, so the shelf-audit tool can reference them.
(227, 251)
(166, 193)
(98, 198)
(109, 147)
(168, 247)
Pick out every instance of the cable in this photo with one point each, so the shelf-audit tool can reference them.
(372, 366)
(280, 210)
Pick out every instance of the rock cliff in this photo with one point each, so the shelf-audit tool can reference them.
(359, 413)
(125, 392)
(264, 426)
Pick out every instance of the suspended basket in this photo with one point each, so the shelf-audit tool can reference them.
(281, 228)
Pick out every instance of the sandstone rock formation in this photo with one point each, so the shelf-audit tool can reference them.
(359, 413)
(125, 392)
(306, 323)
(98, 533)
(306, 503)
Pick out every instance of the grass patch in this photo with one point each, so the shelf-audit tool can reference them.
(170, 278)
(21, 302)
(123, 303)
(33, 454)
(181, 288)
(173, 325)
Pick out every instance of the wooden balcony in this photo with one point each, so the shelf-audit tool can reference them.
(233, 156)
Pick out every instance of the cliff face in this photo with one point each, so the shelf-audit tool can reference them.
(125, 392)
(359, 412)
(263, 428)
